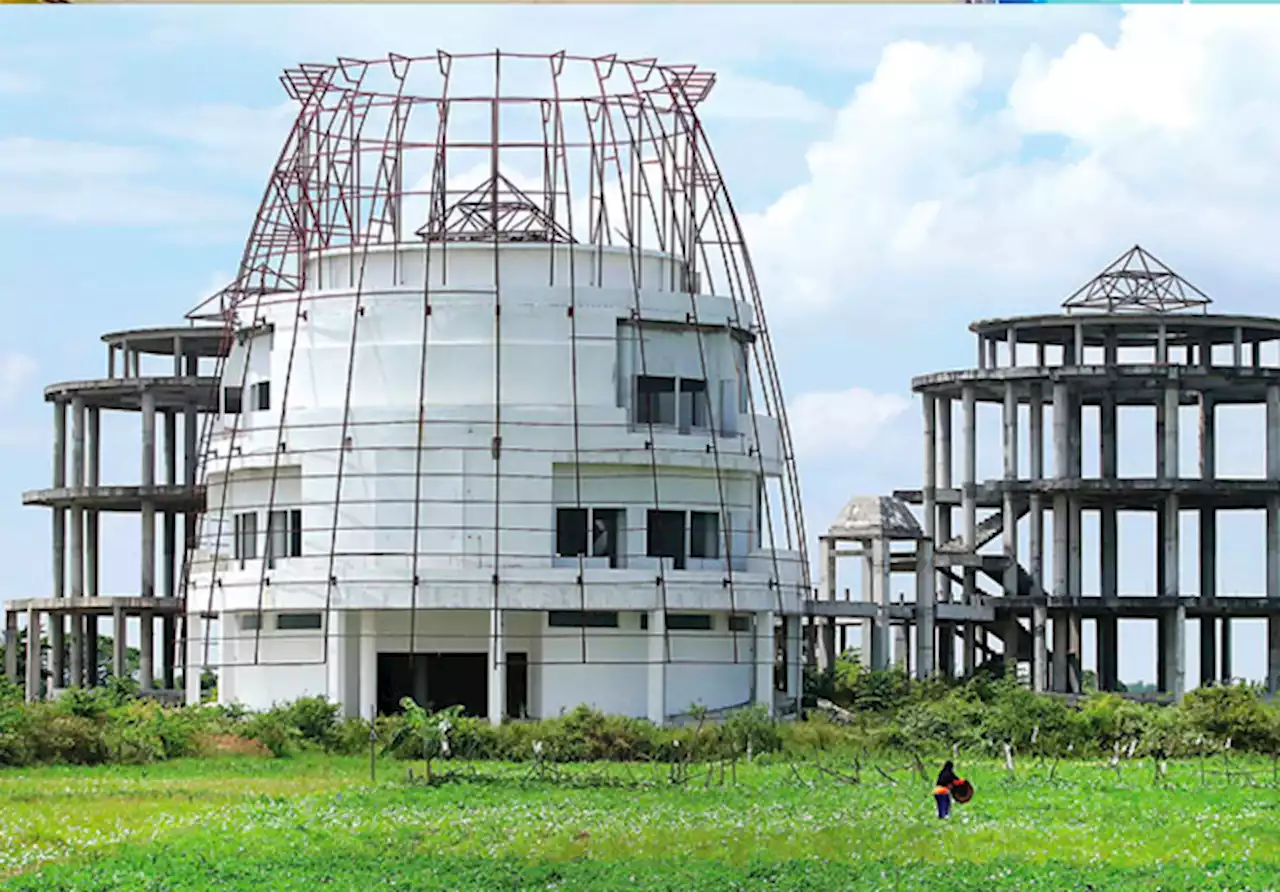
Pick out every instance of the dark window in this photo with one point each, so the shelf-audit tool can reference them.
(262, 396)
(704, 534)
(232, 400)
(295, 622)
(571, 532)
(689, 622)
(606, 527)
(582, 619)
(251, 622)
(666, 536)
(284, 535)
(655, 400)
(739, 624)
(644, 622)
(245, 537)
(694, 407)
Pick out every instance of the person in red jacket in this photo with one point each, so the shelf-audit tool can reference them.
(942, 789)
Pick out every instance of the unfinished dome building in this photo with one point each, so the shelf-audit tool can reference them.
(1001, 563)
(499, 424)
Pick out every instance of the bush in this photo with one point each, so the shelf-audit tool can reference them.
(273, 730)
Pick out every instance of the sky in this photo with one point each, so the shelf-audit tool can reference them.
(900, 171)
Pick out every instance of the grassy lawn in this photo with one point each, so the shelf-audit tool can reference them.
(317, 821)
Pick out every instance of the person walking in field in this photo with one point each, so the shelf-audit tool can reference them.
(942, 789)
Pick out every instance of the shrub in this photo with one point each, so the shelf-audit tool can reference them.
(273, 730)
(316, 720)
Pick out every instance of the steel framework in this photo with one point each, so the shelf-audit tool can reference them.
(417, 157)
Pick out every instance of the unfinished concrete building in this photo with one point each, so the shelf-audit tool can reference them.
(69, 618)
(1136, 335)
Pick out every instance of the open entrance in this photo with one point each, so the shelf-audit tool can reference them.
(439, 681)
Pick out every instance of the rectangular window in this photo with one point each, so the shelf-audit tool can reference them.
(571, 532)
(689, 622)
(666, 536)
(739, 624)
(298, 622)
(655, 400)
(582, 619)
(606, 532)
(284, 535)
(704, 534)
(694, 408)
(251, 622)
(262, 396)
(744, 382)
(245, 537)
(232, 400)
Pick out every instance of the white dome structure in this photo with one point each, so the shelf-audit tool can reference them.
(500, 425)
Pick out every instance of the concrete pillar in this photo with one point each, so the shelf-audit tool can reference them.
(33, 656)
(826, 592)
(498, 663)
(195, 659)
(336, 668)
(148, 504)
(77, 482)
(1010, 530)
(1174, 651)
(1273, 539)
(794, 662)
(1035, 541)
(93, 536)
(969, 510)
(91, 678)
(945, 631)
(1108, 637)
(926, 610)
(169, 650)
(1224, 652)
(369, 664)
(120, 631)
(901, 658)
(147, 650)
(11, 646)
(880, 582)
(1039, 650)
(170, 547)
(926, 578)
(56, 644)
(764, 655)
(75, 677)
(1208, 541)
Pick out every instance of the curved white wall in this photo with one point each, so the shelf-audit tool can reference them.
(351, 349)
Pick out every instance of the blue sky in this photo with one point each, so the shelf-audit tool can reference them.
(901, 171)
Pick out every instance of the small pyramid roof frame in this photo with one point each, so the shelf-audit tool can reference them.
(494, 210)
(1136, 282)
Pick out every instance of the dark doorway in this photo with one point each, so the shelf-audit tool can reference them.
(438, 681)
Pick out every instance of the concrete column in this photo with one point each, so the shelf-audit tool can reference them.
(1224, 652)
(1208, 541)
(169, 650)
(1273, 538)
(1036, 538)
(11, 646)
(93, 536)
(764, 655)
(56, 642)
(336, 668)
(794, 661)
(148, 504)
(75, 678)
(926, 610)
(170, 547)
(369, 664)
(969, 510)
(498, 663)
(826, 592)
(77, 482)
(1108, 640)
(120, 631)
(1010, 531)
(147, 649)
(1039, 650)
(33, 656)
(195, 659)
(91, 678)
(945, 631)
(1174, 651)
(880, 581)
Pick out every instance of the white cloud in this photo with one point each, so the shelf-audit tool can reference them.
(840, 423)
(936, 182)
(17, 371)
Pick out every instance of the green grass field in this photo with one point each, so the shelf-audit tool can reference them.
(248, 823)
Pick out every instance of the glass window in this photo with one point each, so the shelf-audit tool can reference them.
(655, 400)
(704, 534)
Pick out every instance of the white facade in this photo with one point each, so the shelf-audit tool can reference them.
(506, 462)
